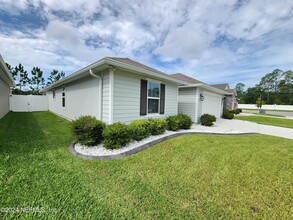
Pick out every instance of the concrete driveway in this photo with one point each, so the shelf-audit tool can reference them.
(239, 126)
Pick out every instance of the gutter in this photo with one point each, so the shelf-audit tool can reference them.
(106, 63)
(9, 79)
(205, 86)
(135, 69)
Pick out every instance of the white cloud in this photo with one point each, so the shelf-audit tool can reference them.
(212, 40)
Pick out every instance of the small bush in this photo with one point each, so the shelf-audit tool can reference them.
(237, 111)
(176, 122)
(232, 111)
(88, 130)
(140, 129)
(185, 121)
(116, 135)
(173, 123)
(157, 126)
(227, 114)
(207, 119)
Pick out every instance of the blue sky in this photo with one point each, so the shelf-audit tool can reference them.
(213, 41)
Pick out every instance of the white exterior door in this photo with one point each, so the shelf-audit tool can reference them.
(212, 104)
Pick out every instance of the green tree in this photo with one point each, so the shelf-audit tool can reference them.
(286, 87)
(55, 75)
(269, 84)
(240, 92)
(9, 67)
(252, 94)
(259, 102)
(37, 79)
(20, 76)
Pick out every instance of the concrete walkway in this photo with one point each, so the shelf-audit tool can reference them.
(239, 126)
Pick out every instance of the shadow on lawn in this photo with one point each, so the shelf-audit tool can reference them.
(21, 133)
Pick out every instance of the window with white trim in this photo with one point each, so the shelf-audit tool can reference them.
(153, 97)
(63, 97)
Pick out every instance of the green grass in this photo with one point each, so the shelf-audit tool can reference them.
(273, 115)
(286, 123)
(189, 177)
(268, 110)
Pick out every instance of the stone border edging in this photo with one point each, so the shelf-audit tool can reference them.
(144, 146)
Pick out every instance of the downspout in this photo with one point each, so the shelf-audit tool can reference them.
(100, 92)
(111, 93)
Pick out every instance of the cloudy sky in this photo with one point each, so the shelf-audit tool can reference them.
(214, 41)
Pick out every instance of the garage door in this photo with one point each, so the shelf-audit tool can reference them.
(212, 104)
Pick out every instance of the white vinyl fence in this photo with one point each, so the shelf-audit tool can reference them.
(28, 103)
(267, 107)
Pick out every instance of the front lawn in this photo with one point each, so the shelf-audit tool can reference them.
(256, 109)
(273, 115)
(188, 177)
(286, 123)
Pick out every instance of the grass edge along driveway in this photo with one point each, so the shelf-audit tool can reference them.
(192, 176)
(280, 122)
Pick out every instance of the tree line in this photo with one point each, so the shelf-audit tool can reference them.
(32, 82)
(274, 88)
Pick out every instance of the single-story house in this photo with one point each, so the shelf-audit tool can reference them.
(197, 98)
(122, 90)
(115, 89)
(231, 101)
(6, 82)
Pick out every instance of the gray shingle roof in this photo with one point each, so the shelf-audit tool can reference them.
(221, 86)
(134, 63)
(187, 79)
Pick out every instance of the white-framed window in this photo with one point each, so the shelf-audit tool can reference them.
(63, 97)
(153, 97)
(54, 95)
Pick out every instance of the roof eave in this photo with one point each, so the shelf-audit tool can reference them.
(79, 74)
(9, 79)
(142, 71)
(205, 86)
(104, 63)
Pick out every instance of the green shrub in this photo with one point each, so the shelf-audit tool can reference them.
(237, 111)
(176, 122)
(140, 129)
(185, 121)
(88, 130)
(173, 123)
(207, 119)
(227, 114)
(232, 111)
(116, 135)
(157, 126)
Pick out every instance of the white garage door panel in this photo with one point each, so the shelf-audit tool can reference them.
(212, 104)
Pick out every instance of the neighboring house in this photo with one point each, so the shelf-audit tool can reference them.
(231, 101)
(6, 82)
(197, 98)
(115, 89)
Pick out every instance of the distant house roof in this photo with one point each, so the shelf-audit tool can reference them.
(187, 79)
(118, 62)
(5, 74)
(225, 87)
(191, 83)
